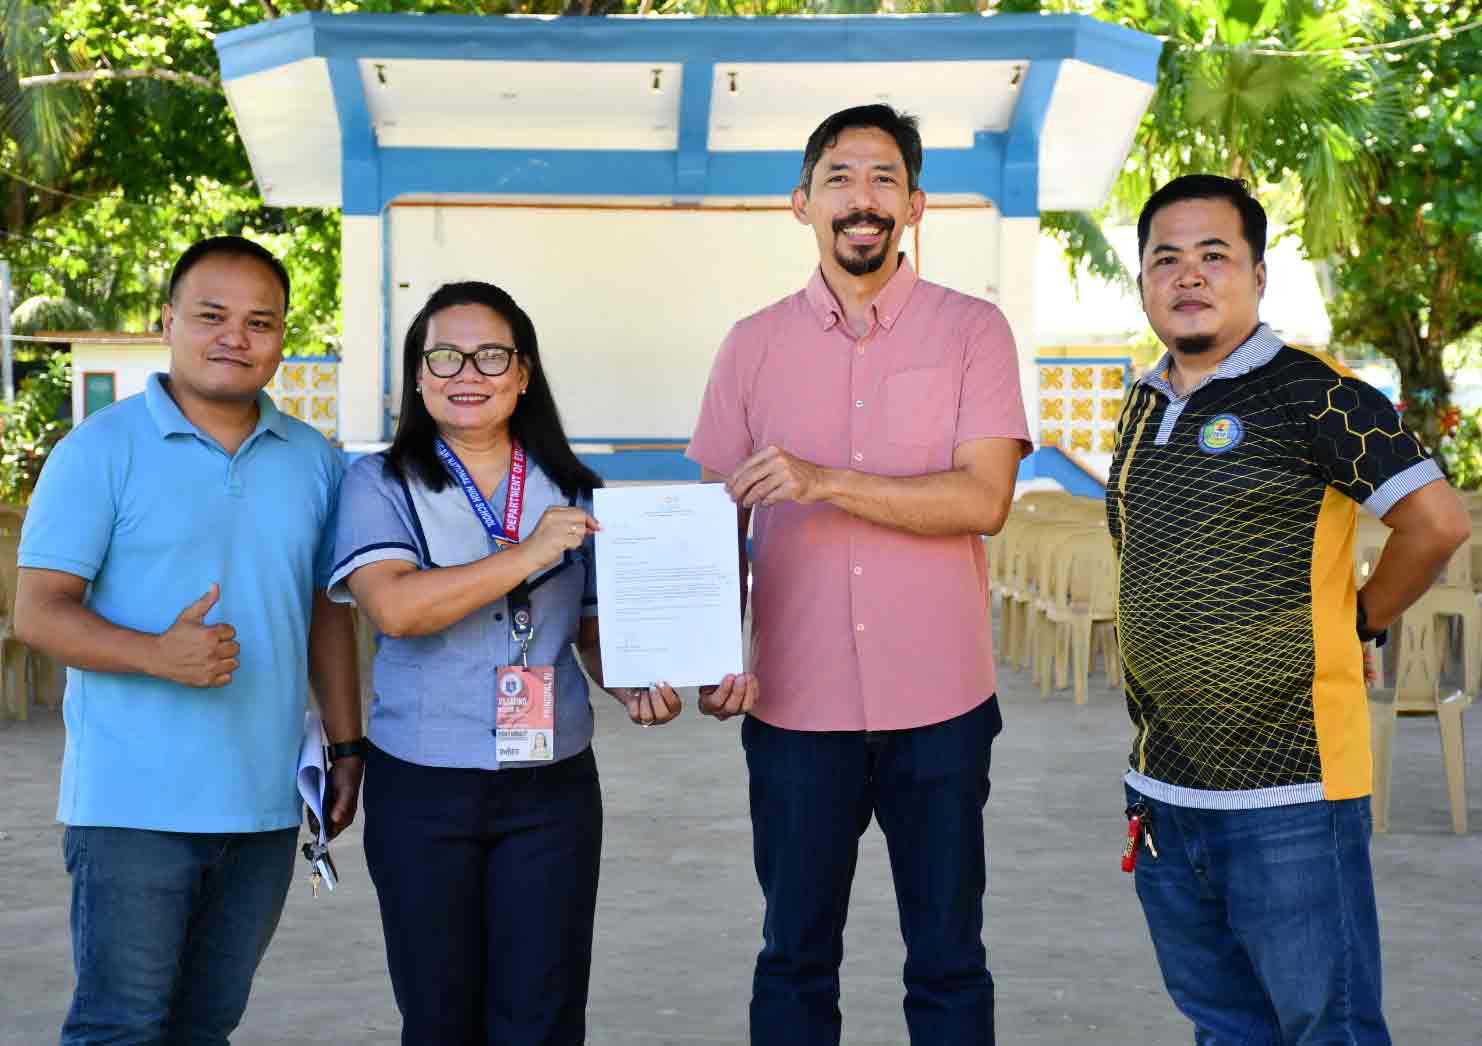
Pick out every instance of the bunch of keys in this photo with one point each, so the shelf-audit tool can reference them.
(1139, 828)
(317, 854)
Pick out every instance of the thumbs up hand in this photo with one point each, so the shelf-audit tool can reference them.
(195, 653)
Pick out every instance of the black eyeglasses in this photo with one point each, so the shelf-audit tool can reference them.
(449, 363)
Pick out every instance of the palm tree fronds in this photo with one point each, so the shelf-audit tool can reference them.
(47, 126)
(1086, 247)
(1333, 178)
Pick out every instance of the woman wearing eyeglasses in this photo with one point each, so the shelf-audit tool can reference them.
(468, 543)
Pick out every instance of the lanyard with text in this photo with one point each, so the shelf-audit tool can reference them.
(522, 622)
(504, 535)
(525, 727)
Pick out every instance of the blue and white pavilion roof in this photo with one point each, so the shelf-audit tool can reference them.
(1029, 112)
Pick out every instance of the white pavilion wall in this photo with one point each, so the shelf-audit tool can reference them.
(631, 305)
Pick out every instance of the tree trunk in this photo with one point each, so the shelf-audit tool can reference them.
(1425, 387)
(15, 216)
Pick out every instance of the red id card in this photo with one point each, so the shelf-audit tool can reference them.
(525, 721)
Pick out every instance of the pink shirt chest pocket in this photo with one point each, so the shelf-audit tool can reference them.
(920, 417)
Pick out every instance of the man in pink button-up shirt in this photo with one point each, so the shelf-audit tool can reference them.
(874, 423)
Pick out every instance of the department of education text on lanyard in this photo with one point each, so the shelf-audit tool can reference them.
(525, 694)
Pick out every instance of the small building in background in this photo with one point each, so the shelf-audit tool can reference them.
(108, 366)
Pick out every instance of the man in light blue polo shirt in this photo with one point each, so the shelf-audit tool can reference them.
(174, 558)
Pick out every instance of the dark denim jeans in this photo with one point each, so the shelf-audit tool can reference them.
(1264, 922)
(487, 881)
(167, 931)
(812, 796)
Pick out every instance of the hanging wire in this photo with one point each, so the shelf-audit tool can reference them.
(1357, 49)
(145, 336)
(1393, 45)
(47, 243)
(7, 172)
(279, 228)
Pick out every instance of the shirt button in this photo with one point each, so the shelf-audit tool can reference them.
(861, 350)
(858, 570)
(859, 403)
(498, 616)
(858, 457)
(859, 628)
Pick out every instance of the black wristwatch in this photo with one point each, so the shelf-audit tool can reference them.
(1378, 636)
(358, 747)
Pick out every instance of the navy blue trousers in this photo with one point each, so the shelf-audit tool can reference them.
(487, 882)
(812, 796)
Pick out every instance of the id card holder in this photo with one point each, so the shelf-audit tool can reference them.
(525, 717)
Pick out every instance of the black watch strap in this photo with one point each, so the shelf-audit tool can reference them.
(343, 749)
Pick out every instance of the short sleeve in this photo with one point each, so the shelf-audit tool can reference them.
(1362, 448)
(324, 558)
(369, 527)
(69, 523)
(992, 402)
(722, 438)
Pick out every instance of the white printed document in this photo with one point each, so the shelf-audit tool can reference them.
(311, 771)
(668, 584)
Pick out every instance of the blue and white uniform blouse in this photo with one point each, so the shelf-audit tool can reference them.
(434, 695)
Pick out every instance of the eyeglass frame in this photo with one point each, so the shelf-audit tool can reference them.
(510, 354)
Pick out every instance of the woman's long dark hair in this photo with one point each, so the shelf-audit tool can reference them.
(535, 423)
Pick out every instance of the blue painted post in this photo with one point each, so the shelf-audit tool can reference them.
(692, 160)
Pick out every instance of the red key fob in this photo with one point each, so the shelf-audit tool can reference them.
(1129, 852)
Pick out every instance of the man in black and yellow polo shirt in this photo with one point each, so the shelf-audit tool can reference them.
(1240, 467)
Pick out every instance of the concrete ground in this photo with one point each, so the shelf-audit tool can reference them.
(679, 913)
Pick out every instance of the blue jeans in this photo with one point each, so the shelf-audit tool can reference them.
(1264, 922)
(487, 881)
(812, 796)
(168, 929)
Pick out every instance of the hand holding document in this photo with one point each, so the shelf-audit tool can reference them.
(311, 772)
(311, 781)
(668, 585)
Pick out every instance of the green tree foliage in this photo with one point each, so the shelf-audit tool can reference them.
(50, 314)
(113, 256)
(1360, 120)
(1460, 447)
(29, 429)
(1410, 285)
(137, 168)
(1271, 91)
(41, 133)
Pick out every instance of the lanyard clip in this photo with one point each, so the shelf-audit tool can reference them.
(522, 630)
